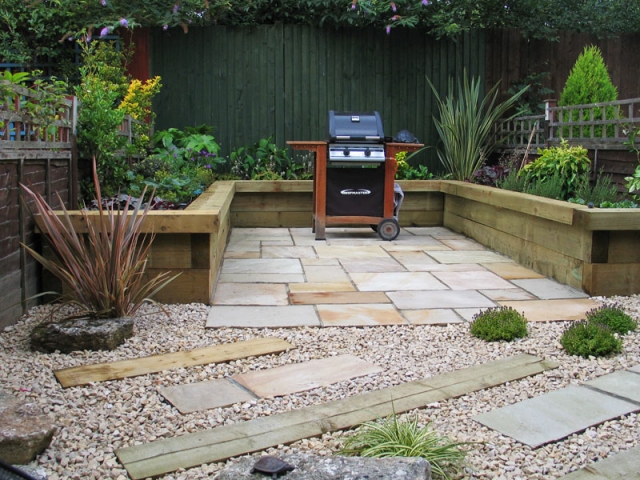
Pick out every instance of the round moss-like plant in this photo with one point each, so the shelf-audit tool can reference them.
(613, 317)
(500, 323)
(590, 339)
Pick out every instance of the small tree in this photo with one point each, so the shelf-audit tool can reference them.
(588, 82)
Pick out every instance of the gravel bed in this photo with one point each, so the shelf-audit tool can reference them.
(97, 419)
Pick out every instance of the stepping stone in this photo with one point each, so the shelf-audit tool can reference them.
(198, 396)
(279, 381)
(635, 369)
(71, 377)
(552, 310)
(556, 415)
(218, 444)
(621, 466)
(621, 384)
(262, 316)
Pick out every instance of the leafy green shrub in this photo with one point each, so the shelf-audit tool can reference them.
(394, 438)
(532, 102)
(265, 161)
(500, 323)
(570, 162)
(406, 171)
(465, 125)
(613, 317)
(588, 82)
(550, 187)
(590, 339)
(601, 192)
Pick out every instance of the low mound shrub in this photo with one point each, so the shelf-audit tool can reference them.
(500, 323)
(613, 317)
(587, 338)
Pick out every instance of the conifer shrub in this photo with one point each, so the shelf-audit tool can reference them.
(613, 317)
(588, 82)
(588, 338)
(500, 323)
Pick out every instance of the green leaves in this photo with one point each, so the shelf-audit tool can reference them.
(465, 125)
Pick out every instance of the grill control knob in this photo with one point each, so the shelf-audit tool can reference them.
(367, 152)
(346, 151)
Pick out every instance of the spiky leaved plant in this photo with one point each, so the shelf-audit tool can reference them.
(104, 267)
(466, 125)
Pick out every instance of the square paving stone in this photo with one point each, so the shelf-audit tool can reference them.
(508, 294)
(621, 383)
(547, 289)
(556, 415)
(279, 381)
(461, 256)
(619, 466)
(261, 278)
(288, 252)
(261, 265)
(350, 251)
(260, 317)
(325, 274)
(250, 294)
(338, 298)
(512, 271)
(194, 397)
(414, 300)
(472, 280)
(552, 310)
(371, 265)
(462, 244)
(384, 282)
(321, 287)
(436, 316)
(359, 315)
(413, 261)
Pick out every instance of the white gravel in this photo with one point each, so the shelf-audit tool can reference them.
(97, 419)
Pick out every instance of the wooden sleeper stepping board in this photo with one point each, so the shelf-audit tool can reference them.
(218, 444)
(71, 377)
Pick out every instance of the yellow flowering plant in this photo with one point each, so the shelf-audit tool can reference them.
(137, 104)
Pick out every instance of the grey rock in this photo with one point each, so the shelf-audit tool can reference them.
(25, 430)
(81, 334)
(314, 467)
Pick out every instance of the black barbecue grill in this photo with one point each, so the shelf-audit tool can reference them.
(354, 174)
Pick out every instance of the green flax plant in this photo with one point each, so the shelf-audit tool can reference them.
(466, 125)
(104, 268)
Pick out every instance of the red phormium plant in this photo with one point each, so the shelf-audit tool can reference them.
(104, 267)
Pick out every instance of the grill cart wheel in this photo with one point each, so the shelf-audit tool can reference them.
(388, 229)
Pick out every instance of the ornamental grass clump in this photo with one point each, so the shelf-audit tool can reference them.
(392, 437)
(500, 323)
(613, 317)
(104, 264)
(587, 338)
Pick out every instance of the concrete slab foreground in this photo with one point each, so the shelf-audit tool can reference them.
(194, 397)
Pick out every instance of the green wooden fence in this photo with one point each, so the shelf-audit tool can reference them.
(281, 80)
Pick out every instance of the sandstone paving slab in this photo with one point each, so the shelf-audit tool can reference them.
(508, 294)
(250, 294)
(552, 310)
(325, 274)
(435, 316)
(261, 278)
(319, 262)
(635, 368)
(259, 233)
(194, 397)
(279, 381)
(468, 313)
(512, 271)
(555, 415)
(622, 384)
(547, 289)
(260, 317)
(350, 251)
(462, 256)
(371, 265)
(261, 265)
(433, 231)
(412, 260)
(414, 241)
(383, 282)
(316, 298)
(243, 246)
(321, 287)
(277, 242)
(462, 244)
(288, 252)
(473, 280)
(420, 299)
(241, 254)
(359, 315)
(620, 466)
(446, 267)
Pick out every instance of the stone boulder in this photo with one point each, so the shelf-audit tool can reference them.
(81, 334)
(25, 430)
(314, 467)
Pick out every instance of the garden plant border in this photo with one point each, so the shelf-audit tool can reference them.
(591, 249)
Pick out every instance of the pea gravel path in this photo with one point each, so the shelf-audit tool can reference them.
(97, 419)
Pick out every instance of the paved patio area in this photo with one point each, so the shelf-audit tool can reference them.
(283, 277)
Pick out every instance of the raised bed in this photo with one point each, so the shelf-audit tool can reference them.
(592, 249)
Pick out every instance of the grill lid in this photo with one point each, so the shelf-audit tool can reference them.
(355, 127)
